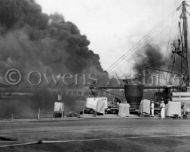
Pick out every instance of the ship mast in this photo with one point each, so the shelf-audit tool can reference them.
(181, 48)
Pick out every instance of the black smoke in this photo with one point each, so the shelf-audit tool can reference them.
(31, 39)
(149, 57)
(34, 41)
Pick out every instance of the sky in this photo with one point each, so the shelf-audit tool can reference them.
(112, 26)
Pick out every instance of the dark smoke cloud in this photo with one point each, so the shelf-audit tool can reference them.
(149, 57)
(32, 40)
(151, 60)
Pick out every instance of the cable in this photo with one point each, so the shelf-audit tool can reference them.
(131, 56)
(132, 49)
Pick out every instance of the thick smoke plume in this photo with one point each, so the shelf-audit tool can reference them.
(153, 68)
(149, 57)
(32, 40)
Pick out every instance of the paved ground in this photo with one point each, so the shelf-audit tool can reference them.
(96, 135)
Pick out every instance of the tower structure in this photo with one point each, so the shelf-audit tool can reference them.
(181, 45)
